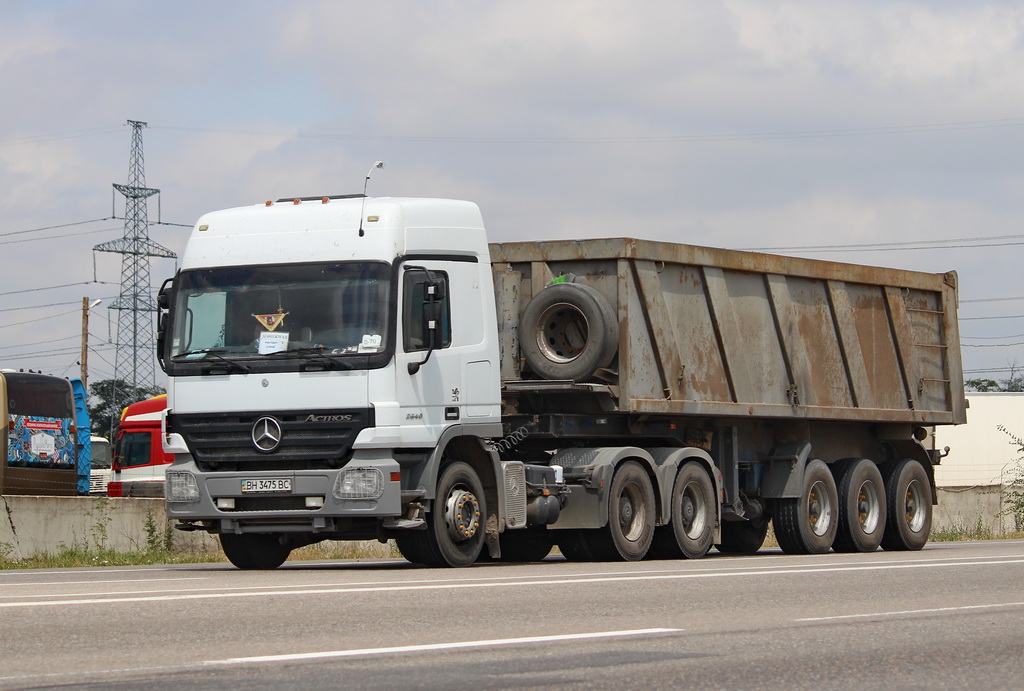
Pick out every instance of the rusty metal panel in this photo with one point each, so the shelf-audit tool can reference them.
(507, 284)
(705, 331)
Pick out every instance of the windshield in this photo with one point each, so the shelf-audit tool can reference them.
(262, 311)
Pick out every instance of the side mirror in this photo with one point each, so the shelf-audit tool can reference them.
(163, 303)
(163, 298)
(433, 296)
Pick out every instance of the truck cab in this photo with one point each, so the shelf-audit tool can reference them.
(139, 463)
(322, 354)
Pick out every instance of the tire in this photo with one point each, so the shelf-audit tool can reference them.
(693, 513)
(743, 537)
(250, 551)
(908, 493)
(455, 524)
(808, 524)
(568, 331)
(862, 505)
(531, 544)
(631, 517)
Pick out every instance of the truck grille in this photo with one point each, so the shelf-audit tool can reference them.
(309, 440)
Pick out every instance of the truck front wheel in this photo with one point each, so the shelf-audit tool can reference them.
(808, 523)
(254, 550)
(455, 525)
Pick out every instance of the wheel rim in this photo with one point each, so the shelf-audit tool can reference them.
(819, 509)
(632, 519)
(692, 509)
(461, 514)
(564, 333)
(914, 507)
(869, 509)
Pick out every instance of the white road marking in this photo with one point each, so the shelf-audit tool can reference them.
(357, 652)
(103, 569)
(565, 580)
(120, 580)
(360, 652)
(913, 611)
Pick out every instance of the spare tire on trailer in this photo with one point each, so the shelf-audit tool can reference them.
(568, 331)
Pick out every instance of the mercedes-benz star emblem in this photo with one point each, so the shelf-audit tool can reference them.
(266, 434)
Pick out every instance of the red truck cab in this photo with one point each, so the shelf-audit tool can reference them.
(139, 462)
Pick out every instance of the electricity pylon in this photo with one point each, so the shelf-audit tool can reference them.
(136, 342)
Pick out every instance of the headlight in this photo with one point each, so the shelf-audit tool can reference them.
(359, 483)
(182, 487)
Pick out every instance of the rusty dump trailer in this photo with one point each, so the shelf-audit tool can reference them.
(804, 388)
(351, 368)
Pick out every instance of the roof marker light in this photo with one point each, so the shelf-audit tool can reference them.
(296, 201)
(269, 203)
(325, 200)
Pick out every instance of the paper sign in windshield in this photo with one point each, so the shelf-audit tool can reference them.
(273, 342)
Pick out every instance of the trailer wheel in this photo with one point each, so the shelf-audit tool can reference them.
(531, 544)
(743, 537)
(692, 527)
(630, 529)
(908, 494)
(254, 550)
(862, 505)
(807, 524)
(455, 530)
(568, 331)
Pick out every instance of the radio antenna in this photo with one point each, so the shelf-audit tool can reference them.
(362, 207)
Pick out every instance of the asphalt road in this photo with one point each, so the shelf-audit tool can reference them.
(949, 616)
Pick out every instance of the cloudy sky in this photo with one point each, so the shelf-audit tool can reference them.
(888, 133)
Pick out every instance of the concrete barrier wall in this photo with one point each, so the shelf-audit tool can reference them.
(34, 525)
(968, 508)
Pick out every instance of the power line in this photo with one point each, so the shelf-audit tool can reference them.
(73, 134)
(32, 321)
(990, 338)
(661, 139)
(1006, 299)
(1009, 316)
(991, 369)
(66, 285)
(910, 244)
(52, 304)
(54, 237)
(54, 227)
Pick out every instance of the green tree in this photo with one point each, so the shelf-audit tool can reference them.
(105, 414)
(1015, 382)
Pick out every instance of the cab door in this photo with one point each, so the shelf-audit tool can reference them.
(428, 351)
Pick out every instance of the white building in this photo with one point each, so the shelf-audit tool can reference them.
(980, 454)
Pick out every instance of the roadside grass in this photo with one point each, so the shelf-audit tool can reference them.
(78, 556)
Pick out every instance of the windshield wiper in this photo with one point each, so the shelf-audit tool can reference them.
(217, 354)
(316, 352)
